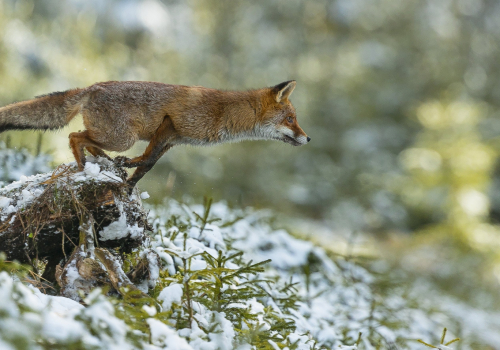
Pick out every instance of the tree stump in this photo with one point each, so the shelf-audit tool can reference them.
(75, 221)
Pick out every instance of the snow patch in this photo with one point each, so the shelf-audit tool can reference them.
(92, 169)
(166, 337)
(119, 228)
(4, 202)
(171, 294)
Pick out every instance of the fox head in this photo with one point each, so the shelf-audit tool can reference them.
(279, 120)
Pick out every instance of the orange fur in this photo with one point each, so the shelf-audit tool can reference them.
(118, 114)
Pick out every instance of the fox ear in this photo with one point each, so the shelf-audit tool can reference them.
(284, 90)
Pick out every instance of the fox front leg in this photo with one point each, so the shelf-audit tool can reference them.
(155, 147)
(143, 169)
(158, 145)
(125, 162)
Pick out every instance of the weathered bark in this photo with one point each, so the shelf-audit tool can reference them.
(81, 272)
(89, 267)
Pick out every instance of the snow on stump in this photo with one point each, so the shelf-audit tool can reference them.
(78, 224)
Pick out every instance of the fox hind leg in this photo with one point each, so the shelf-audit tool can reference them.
(97, 152)
(79, 140)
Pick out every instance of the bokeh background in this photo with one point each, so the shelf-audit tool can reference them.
(401, 99)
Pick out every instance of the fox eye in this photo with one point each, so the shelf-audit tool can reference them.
(289, 119)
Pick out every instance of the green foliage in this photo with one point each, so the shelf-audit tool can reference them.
(226, 289)
(210, 294)
(227, 286)
(442, 341)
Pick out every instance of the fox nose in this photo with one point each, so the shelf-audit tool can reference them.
(308, 139)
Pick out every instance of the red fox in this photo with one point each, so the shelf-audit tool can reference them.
(116, 114)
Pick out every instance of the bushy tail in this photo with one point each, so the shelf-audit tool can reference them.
(52, 111)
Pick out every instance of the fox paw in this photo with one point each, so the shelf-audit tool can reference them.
(121, 161)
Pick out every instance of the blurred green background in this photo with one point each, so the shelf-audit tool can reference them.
(401, 99)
